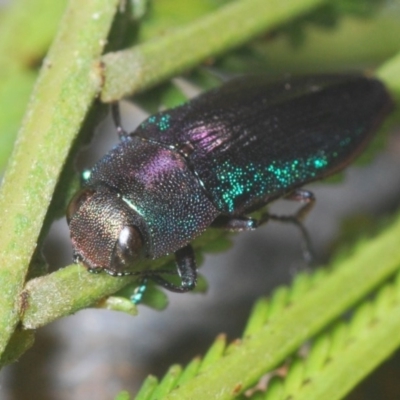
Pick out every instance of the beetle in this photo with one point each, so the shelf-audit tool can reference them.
(214, 160)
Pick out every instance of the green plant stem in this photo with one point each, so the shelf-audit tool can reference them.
(19, 343)
(132, 70)
(79, 289)
(67, 85)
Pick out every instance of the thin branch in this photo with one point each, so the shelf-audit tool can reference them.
(142, 66)
(66, 87)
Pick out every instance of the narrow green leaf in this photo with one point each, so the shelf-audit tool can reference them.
(278, 302)
(214, 353)
(190, 371)
(300, 286)
(275, 389)
(257, 317)
(167, 383)
(294, 379)
(317, 359)
(147, 388)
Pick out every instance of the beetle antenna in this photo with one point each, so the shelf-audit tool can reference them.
(122, 133)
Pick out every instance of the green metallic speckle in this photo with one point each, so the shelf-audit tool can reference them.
(162, 121)
(262, 180)
(320, 163)
(345, 142)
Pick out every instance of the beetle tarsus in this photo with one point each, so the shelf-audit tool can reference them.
(303, 196)
(186, 265)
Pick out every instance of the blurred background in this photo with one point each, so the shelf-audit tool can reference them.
(94, 354)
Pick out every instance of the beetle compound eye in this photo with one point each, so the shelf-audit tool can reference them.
(128, 248)
(81, 197)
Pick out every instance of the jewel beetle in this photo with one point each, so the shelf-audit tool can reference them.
(214, 160)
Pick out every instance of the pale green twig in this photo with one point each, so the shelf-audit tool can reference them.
(67, 85)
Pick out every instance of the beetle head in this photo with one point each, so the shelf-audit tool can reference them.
(106, 234)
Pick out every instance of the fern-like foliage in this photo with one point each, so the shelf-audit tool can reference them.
(315, 339)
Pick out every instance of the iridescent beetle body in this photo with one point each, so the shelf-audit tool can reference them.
(215, 159)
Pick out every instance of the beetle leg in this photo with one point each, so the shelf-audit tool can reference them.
(186, 267)
(186, 264)
(302, 196)
(307, 248)
(242, 223)
(308, 198)
(235, 224)
(116, 116)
